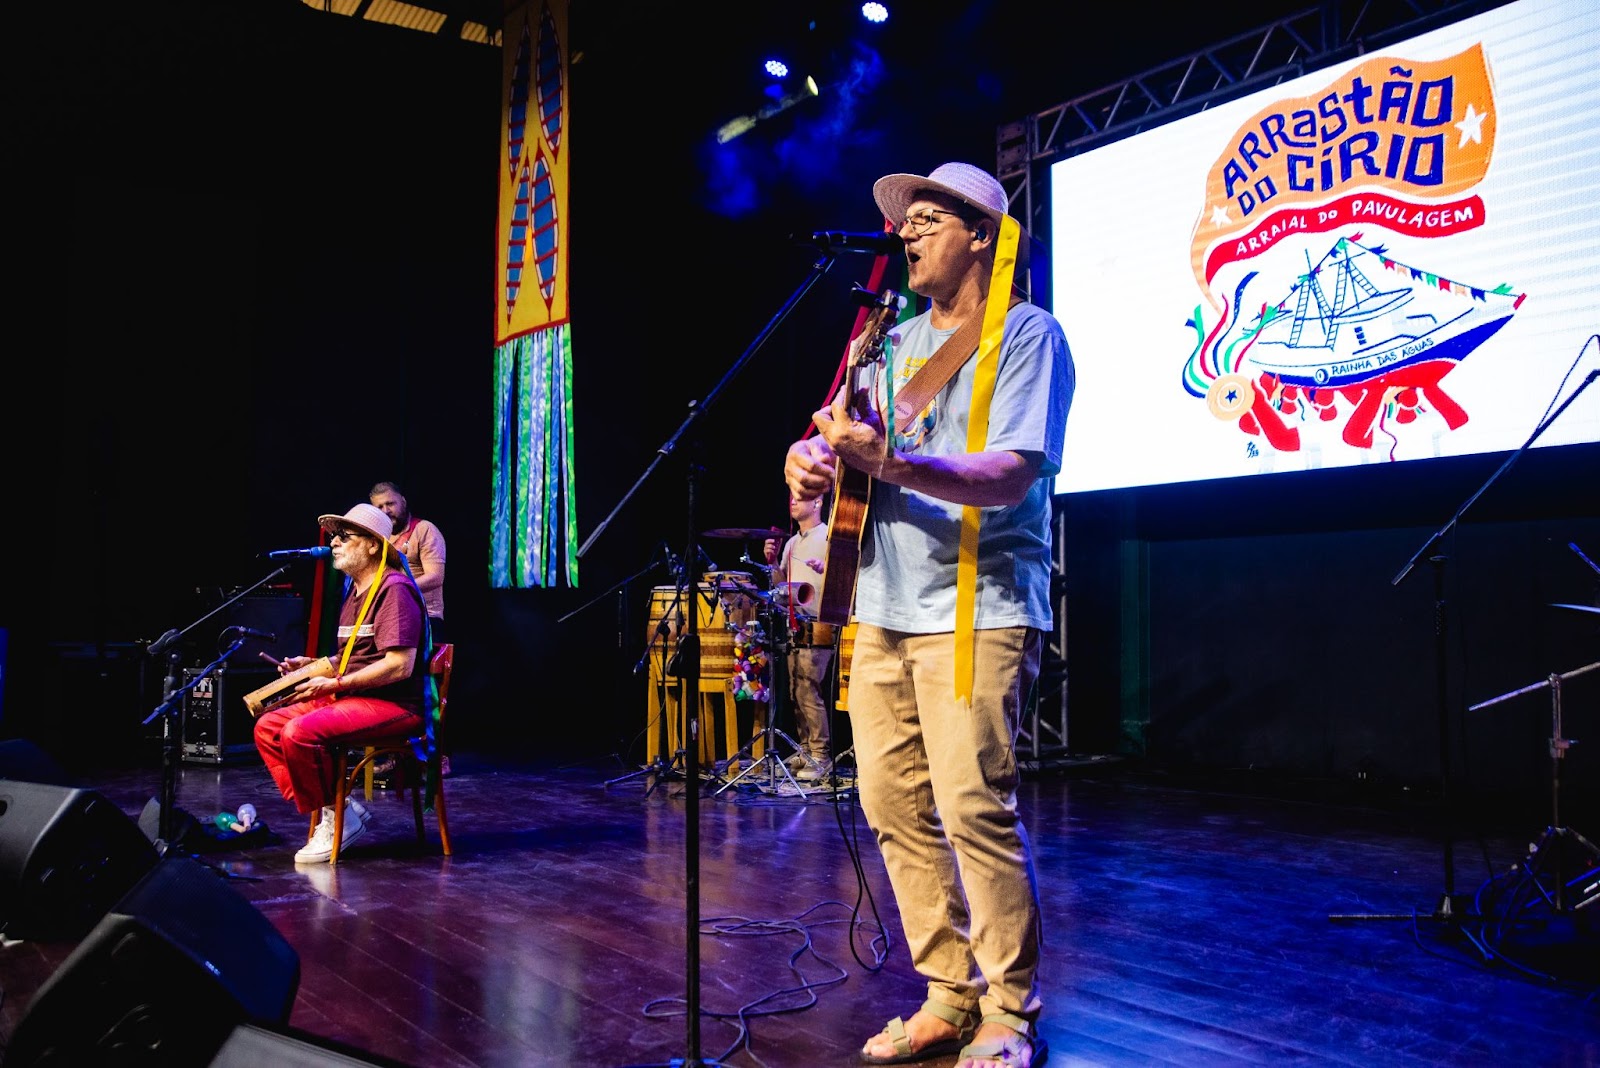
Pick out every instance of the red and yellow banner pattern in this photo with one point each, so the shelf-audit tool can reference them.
(531, 286)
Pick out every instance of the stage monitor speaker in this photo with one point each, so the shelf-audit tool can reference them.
(67, 855)
(162, 980)
(253, 1046)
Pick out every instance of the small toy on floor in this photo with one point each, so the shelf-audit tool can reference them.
(238, 822)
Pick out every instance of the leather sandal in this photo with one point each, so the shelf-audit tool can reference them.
(964, 1022)
(1027, 1049)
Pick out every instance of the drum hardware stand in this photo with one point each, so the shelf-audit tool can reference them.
(173, 690)
(689, 651)
(1445, 911)
(660, 767)
(768, 569)
(769, 735)
(1551, 842)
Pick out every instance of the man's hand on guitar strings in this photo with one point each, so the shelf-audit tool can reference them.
(858, 440)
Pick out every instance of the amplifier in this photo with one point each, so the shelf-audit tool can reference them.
(217, 727)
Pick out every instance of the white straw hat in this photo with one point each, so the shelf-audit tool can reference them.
(367, 518)
(973, 186)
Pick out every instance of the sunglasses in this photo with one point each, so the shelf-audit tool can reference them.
(335, 535)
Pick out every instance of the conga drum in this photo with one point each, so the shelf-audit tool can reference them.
(712, 619)
(847, 648)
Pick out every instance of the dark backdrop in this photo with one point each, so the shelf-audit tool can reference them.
(256, 270)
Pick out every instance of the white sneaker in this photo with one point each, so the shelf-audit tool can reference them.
(320, 848)
(320, 845)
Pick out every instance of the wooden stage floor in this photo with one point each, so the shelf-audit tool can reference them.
(1184, 926)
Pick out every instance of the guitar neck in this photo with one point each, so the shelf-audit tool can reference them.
(853, 488)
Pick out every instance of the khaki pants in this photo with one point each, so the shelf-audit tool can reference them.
(808, 685)
(938, 783)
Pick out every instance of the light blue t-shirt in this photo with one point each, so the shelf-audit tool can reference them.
(907, 580)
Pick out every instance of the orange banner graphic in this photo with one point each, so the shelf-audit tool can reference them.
(1422, 130)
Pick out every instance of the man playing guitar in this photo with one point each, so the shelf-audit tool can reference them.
(952, 603)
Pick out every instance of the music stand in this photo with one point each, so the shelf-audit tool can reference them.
(689, 651)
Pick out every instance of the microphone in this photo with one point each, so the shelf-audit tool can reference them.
(316, 552)
(159, 646)
(882, 242)
(251, 632)
(674, 563)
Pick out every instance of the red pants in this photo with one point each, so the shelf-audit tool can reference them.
(297, 742)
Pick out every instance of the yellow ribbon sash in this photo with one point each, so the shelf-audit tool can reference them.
(372, 591)
(983, 379)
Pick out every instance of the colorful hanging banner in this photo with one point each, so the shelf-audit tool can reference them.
(533, 515)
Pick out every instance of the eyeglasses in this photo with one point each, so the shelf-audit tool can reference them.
(335, 535)
(922, 221)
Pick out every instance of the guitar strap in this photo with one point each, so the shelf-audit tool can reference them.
(941, 367)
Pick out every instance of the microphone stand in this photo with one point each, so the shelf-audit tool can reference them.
(172, 692)
(1445, 911)
(639, 574)
(689, 652)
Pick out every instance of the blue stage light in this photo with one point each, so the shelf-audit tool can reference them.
(875, 12)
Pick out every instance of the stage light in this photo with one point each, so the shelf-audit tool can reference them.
(745, 123)
(776, 67)
(875, 13)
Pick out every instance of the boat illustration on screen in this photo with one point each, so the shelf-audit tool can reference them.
(1359, 339)
(1337, 327)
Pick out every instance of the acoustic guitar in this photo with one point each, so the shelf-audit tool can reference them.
(852, 488)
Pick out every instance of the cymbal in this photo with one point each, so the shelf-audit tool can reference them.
(1577, 607)
(742, 532)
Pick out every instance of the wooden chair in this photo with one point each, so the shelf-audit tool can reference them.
(409, 771)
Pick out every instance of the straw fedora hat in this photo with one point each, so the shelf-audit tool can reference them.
(369, 519)
(972, 186)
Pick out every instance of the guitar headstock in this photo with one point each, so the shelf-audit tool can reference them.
(868, 345)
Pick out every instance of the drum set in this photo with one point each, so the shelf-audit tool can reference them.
(745, 634)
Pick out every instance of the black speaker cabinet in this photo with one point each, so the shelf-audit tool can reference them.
(253, 1046)
(283, 617)
(66, 856)
(162, 980)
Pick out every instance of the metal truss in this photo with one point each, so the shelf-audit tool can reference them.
(1277, 52)
(1043, 734)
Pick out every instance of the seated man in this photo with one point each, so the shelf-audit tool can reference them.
(374, 688)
